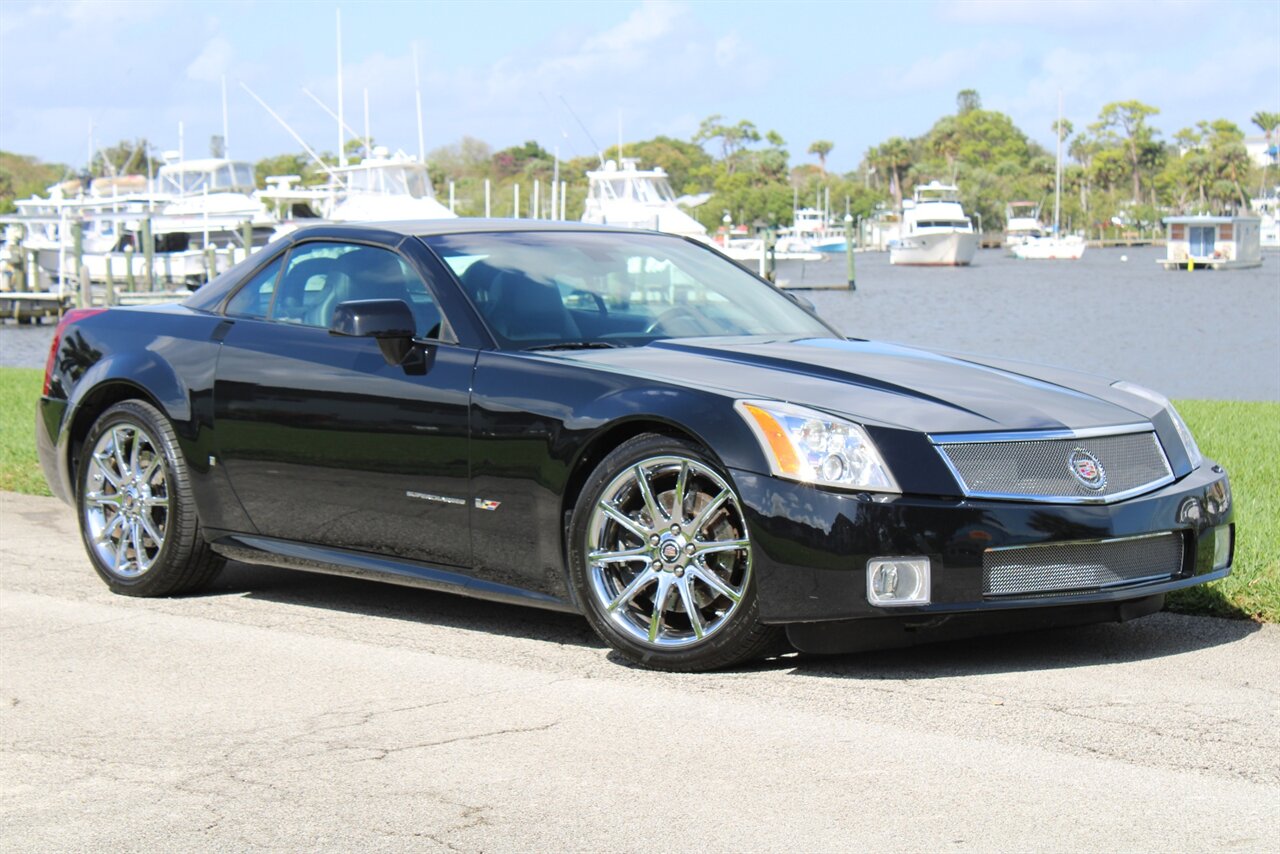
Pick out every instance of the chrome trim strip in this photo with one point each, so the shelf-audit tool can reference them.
(1067, 499)
(1037, 435)
(1092, 542)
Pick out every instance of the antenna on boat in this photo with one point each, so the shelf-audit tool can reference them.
(596, 145)
(619, 137)
(417, 100)
(342, 153)
(1057, 184)
(227, 145)
(349, 129)
(368, 144)
(285, 125)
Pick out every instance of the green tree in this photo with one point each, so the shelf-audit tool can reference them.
(1125, 124)
(287, 164)
(127, 157)
(733, 138)
(968, 100)
(821, 148)
(894, 157)
(22, 176)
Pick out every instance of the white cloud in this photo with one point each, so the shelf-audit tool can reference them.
(212, 62)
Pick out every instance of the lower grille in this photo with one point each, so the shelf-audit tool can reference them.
(1086, 566)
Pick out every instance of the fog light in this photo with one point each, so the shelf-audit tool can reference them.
(1222, 546)
(898, 581)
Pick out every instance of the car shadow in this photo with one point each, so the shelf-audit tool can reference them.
(393, 601)
(1156, 636)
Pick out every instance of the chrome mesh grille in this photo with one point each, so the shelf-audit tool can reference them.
(1041, 468)
(1080, 567)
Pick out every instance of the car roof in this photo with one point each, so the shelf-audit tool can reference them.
(464, 225)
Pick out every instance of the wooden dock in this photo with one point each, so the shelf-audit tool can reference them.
(34, 307)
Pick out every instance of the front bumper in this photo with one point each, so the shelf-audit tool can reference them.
(811, 546)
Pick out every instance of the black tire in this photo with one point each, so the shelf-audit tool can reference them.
(734, 633)
(180, 561)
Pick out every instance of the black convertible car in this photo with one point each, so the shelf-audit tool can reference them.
(623, 424)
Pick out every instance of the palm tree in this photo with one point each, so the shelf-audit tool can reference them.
(944, 141)
(1267, 122)
(822, 148)
(895, 157)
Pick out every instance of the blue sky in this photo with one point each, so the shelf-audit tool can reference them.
(852, 72)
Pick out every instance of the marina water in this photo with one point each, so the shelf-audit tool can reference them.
(1201, 334)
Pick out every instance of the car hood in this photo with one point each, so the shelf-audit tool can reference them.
(878, 383)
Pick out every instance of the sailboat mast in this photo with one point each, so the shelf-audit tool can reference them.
(417, 100)
(1057, 180)
(342, 153)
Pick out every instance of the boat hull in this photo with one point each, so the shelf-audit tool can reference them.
(936, 249)
(1050, 249)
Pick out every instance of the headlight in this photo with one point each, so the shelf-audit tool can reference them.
(814, 447)
(1188, 442)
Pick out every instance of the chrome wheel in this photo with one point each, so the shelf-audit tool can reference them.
(668, 554)
(126, 500)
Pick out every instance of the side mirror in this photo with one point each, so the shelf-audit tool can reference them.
(389, 321)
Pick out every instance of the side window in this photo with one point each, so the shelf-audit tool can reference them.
(254, 297)
(321, 275)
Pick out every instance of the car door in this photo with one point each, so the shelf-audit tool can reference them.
(323, 441)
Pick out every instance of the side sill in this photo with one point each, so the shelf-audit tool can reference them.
(351, 564)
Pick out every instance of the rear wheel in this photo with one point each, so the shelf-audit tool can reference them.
(137, 516)
(661, 558)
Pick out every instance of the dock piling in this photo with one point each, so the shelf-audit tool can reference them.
(149, 253)
(130, 283)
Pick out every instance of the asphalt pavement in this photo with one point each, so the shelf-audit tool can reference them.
(302, 712)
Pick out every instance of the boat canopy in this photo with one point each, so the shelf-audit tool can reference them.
(212, 175)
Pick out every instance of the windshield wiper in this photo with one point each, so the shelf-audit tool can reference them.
(575, 345)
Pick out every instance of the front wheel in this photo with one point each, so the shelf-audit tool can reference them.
(661, 558)
(137, 515)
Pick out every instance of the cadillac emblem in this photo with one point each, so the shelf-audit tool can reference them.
(1087, 469)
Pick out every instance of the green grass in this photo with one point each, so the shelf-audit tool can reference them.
(1243, 437)
(19, 468)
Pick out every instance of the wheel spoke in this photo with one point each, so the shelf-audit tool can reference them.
(134, 450)
(103, 461)
(721, 546)
(690, 607)
(135, 537)
(677, 497)
(110, 528)
(156, 460)
(107, 499)
(623, 519)
(708, 577)
(629, 592)
(624, 556)
(656, 514)
(659, 601)
(155, 501)
(710, 510)
(149, 527)
(119, 561)
(121, 466)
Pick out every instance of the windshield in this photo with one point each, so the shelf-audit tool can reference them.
(391, 181)
(539, 289)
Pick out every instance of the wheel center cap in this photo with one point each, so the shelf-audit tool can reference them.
(670, 551)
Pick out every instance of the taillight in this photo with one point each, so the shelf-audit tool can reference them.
(73, 316)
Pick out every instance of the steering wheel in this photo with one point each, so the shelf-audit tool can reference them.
(670, 314)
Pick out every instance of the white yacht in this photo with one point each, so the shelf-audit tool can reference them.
(1267, 207)
(190, 205)
(381, 187)
(1053, 246)
(1021, 221)
(935, 230)
(632, 197)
